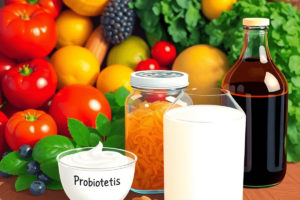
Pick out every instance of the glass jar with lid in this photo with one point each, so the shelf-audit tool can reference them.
(153, 93)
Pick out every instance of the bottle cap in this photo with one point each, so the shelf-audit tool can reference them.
(256, 22)
(159, 79)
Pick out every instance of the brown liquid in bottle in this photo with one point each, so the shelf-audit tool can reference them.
(261, 90)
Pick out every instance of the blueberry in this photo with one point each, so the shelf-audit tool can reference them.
(5, 175)
(33, 168)
(43, 177)
(37, 188)
(25, 151)
(5, 154)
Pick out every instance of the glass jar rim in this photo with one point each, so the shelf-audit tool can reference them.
(225, 92)
(97, 168)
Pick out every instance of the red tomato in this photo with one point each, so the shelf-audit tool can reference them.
(46, 106)
(9, 110)
(53, 7)
(3, 143)
(5, 64)
(164, 68)
(26, 32)
(30, 84)
(148, 64)
(164, 53)
(28, 127)
(157, 96)
(81, 102)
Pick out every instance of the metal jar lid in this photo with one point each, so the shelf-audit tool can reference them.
(159, 79)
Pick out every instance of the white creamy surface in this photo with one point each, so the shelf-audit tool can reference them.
(96, 158)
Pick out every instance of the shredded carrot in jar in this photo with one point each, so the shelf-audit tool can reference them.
(144, 138)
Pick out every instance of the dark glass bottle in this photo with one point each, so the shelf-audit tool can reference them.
(261, 90)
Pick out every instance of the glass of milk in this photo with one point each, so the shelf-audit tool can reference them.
(204, 142)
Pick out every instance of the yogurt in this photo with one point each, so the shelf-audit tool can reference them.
(96, 158)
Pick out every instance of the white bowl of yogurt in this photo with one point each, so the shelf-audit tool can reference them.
(96, 173)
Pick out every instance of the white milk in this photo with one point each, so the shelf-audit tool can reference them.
(204, 153)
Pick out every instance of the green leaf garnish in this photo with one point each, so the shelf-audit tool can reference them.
(103, 125)
(14, 164)
(49, 147)
(50, 168)
(121, 96)
(24, 181)
(79, 132)
(54, 185)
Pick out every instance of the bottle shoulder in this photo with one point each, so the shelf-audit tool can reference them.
(250, 76)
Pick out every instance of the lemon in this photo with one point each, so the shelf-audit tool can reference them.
(205, 65)
(212, 9)
(75, 65)
(113, 77)
(73, 29)
(129, 53)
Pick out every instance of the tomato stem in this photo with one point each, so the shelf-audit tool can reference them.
(142, 57)
(26, 71)
(32, 2)
(24, 16)
(31, 118)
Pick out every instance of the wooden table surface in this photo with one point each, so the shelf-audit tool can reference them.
(289, 189)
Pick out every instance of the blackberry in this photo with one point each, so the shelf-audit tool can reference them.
(117, 21)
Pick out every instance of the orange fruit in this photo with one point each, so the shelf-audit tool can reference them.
(75, 65)
(205, 65)
(212, 9)
(73, 29)
(113, 77)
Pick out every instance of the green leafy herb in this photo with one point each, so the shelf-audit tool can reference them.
(181, 18)
(79, 132)
(111, 98)
(227, 34)
(103, 125)
(49, 147)
(54, 185)
(117, 102)
(119, 114)
(93, 130)
(50, 168)
(116, 141)
(118, 128)
(121, 96)
(24, 181)
(94, 140)
(14, 164)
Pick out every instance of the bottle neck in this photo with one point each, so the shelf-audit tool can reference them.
(256, 44)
